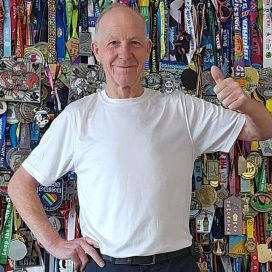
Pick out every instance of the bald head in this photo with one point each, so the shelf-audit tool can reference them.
(117, 10)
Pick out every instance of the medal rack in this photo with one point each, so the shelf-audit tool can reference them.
(231, 208)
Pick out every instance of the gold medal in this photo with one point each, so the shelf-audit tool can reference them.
(206, 195)
(250, 172)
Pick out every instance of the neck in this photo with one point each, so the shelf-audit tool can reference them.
(118, 92)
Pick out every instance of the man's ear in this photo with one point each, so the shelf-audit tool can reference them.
(149, 47)
(95, 49)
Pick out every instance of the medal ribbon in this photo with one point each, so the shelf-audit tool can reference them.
(29, 28)
(19, 49)
(52, 54)
(154, 34)
(7, 29)
(245, 32)
(267, 33)
(255, 38)
(1, 28)
(162, 29)
(199, 12)
(224, 167)
(189, 28)
(239, 64)
(71, 231)
(52, 85)
(209, 38)
(13, 19)
(84, 15)
(96, 8)
(3, 123)
(69, 13)
(261, 177)
(74, 22)
(60, 21)
(6, 233)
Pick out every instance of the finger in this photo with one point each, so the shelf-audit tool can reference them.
(83, 258)
(226, 83)
(94, 255)
(75, 258)
(217, 74)
(91, 242)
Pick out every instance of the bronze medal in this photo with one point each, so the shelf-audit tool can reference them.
(207, 195)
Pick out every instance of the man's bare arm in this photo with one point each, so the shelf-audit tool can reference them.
(258, 125)
(22, 190)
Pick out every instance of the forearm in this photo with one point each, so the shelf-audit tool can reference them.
(22, 189)
(258, 124)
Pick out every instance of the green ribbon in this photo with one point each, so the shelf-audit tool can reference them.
(6, 233)
(261, 177)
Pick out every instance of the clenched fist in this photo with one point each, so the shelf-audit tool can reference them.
(229, 92)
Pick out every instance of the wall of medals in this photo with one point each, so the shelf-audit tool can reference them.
(46, 62)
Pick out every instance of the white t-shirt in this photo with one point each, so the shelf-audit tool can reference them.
(134, 162)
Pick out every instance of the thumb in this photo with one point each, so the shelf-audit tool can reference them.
(217, 74)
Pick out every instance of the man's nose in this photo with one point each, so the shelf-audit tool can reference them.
(124, 51)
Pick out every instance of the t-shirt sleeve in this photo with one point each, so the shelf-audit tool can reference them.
(212, 128)
(54, 156)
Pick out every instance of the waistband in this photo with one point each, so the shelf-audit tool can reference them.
(147, 260)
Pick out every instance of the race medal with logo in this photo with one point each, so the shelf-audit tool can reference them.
(250, 172)
(207, 195)
(261, 202)
(233, 216)
(249, 83)
(51, 196)
(265, 83)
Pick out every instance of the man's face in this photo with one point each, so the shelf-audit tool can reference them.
(121, 47)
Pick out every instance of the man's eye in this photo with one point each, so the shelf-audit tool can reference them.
(113, 43)
(135, 42)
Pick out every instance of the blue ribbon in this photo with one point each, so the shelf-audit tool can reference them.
(7, 29)
(3, 123)
(60, 23)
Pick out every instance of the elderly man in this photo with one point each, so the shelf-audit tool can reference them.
(133, 151)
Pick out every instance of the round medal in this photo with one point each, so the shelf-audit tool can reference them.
(189, 79)
(55, 222)
(154, 81)
(207, 195)
(250, 246)
(17, 250)
(261, 202)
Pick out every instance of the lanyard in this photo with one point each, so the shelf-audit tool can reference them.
(267, 33)
(6, 233)
(7, 29)
(245, 32)
(255, 38)
(1, 28)
(19, 49)
(239, 64)
(60, 21)
(3, 123)
(52, 54)
(189, 28)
